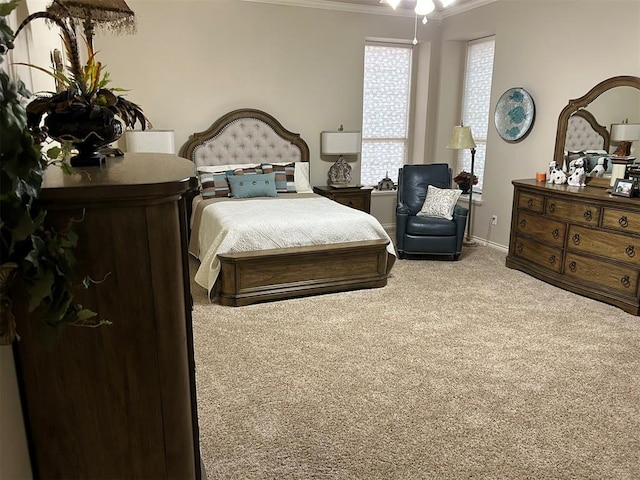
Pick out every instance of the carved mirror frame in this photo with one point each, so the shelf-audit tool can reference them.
(578, 103)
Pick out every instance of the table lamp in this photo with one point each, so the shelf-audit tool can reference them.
(340, 143)
(622, 136)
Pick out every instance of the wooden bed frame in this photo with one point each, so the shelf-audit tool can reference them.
(250, 277)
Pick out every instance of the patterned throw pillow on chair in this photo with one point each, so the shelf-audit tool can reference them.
(440, 202)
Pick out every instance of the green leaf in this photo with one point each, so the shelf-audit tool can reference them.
(86, 314)
(40, 290)
(54, 152)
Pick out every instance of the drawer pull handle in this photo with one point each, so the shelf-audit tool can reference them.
(350, 204)
(625, 281)
(519, 246)
(555, 234)
(588, 215)
(576, 238)
(530, 203)
(552, 207)
(523, 223)
(623, 221)
(573, 266)
(552, 259)
(630, 250)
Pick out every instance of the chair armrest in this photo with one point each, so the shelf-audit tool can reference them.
(402, 209)
(402, 215)
(460, 217)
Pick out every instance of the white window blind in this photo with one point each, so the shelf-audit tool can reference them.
(475, 103)
(385, 112)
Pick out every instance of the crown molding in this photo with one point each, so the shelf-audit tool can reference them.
(376, 10)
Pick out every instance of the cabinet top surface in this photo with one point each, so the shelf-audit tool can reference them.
(140, 172)
(588, 193)
(328, 188)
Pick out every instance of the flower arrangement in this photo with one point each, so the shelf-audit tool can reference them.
(37, 261)
(463, 178)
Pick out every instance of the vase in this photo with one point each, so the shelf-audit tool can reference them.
(464, 187)
(87, 134)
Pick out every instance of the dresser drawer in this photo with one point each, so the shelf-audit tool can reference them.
(352, 201)
(573, 211)
(535, 252)
(591, 271)
(621, 220)
(606, 244)
(544, 229)
(531, 202)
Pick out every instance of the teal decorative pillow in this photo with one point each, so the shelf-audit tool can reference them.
(440, 202)
(285, 176)
(213, 184)
(254, 185)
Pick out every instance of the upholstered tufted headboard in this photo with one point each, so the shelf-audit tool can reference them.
(245, 136)
(585, 133)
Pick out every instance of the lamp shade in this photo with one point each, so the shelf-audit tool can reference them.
(150, 141)
(461, 138)
(341, 143)
(114, 15)
(625, 132)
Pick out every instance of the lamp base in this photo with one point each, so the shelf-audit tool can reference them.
(340, 173)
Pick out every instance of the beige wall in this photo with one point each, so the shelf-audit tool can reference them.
(556, 50)
(192, 61)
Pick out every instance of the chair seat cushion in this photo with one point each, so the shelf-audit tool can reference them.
(431, 226)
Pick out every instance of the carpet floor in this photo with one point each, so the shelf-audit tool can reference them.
(453, 370)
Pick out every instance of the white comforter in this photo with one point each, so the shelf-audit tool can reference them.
(279, 222)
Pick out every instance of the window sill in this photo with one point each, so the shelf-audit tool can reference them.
(464, 199)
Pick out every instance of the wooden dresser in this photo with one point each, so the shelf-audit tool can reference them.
(580, 239)
(118, 401)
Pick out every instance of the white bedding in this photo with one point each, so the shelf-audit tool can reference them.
(241, 225)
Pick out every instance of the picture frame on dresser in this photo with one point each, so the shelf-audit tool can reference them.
(624, 187)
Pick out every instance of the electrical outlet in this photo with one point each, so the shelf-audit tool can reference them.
(494, 219)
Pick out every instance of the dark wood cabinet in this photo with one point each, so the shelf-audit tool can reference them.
(354, 197)
(580, 239)
(118, 401)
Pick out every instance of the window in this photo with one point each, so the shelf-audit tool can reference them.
(475, 103)
(385, 111)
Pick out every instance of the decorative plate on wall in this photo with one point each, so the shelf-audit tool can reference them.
(514, 115)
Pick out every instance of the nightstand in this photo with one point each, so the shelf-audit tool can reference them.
(354, 197)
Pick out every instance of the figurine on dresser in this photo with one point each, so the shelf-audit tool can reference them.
(556, 175)
(600, 168)
(578, 176)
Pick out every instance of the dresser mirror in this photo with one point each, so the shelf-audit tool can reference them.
(614, 100)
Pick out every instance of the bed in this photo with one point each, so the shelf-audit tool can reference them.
(256, 245)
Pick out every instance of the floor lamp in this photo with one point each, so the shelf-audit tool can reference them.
(461, 138)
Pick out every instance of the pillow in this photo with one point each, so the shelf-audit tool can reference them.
(256, 185)
(213, 184)
(245, 171)
(284, 175)
(440, 202)
(301, 176)
(225, 168)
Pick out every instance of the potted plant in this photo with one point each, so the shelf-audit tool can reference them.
(36, 261)
(84, 111)
(463, 179)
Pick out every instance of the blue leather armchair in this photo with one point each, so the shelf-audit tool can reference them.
(426, 235)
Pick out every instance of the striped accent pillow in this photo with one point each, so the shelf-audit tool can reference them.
(214, 184)
(246, 171)
(285, 176)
